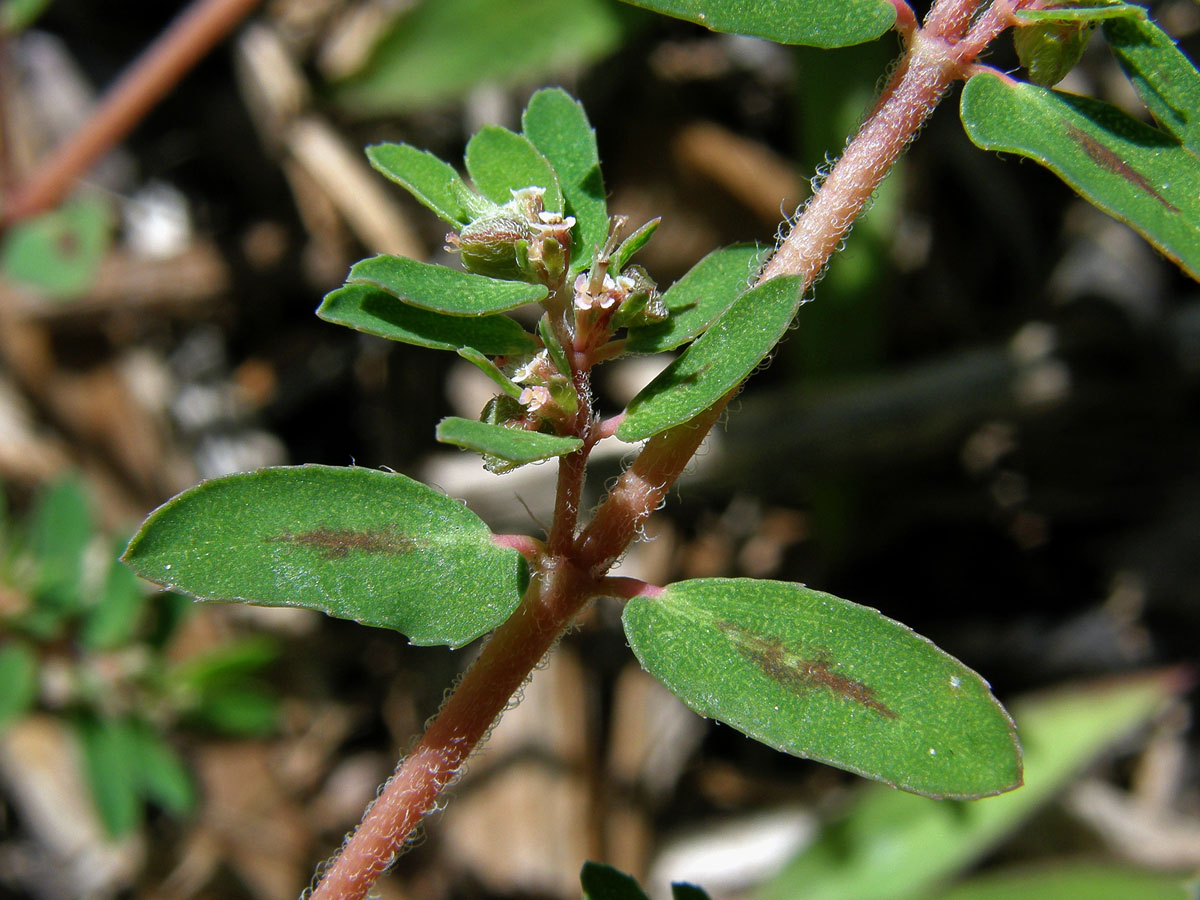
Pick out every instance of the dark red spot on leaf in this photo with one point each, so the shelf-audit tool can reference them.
(66, 243)
(800, 675)
(1109, 160)
(336, 543)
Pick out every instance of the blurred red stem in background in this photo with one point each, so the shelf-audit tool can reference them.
(160, 67)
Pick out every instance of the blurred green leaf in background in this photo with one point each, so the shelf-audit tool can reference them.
(443, 49)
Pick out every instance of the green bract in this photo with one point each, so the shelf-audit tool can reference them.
(632, 244)
(1049, 50)
(820, 677)
(358, 544)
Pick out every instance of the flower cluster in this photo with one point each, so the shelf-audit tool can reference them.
(604, 303)
(520, 241)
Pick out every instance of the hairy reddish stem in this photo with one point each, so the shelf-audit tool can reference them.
(172, 55)
(575, 565)
(628, 588)
(640, 490)
(554, 596)
(529, 547)
(571, 471)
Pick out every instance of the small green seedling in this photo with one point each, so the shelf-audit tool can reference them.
(108, 647)
(803, 671)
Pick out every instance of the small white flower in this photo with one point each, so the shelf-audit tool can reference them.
(612, 293)
(536, 398)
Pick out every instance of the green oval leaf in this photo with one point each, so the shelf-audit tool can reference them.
(372, 310)
(109, 753)
(822, 678)
(816, 23)
(430, 180)
(19, 677)
(1133, 172)
(717, 362)
(59, 253)
(162, 777)
(513, 444)
(699, 297)
(558, 127)
(437, 52)
(501, 161)
(359, 544)
(439, 289)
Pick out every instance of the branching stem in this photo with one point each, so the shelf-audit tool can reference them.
(575, 565)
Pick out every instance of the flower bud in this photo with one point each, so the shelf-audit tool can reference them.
(643, 304)
(1049, 50)
(496, 246)
(519, 241)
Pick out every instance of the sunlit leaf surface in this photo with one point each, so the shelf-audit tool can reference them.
(373, 310)
(699, 297)
(359, 544)
(718, 361)
(501, 161)
(1166, 80)
(558, 126)
(819, 677)
(439, 289)
(429, 179)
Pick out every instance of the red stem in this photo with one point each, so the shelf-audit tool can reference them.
(572, 469)
(160, 67)
(514, 650)
(529, 547)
